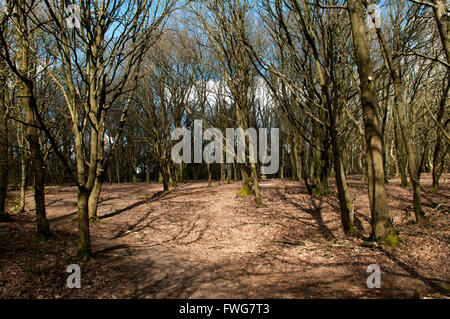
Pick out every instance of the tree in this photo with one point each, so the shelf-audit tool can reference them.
(382, 227)
(226, 25)
(17, 14)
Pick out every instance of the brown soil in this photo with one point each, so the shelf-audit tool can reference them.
(199, 242)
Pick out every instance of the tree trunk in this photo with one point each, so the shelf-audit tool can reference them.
(134, 175)
(298, 161)
(147, 174)
(255, 179)
(84, 241)
(3, 140)
(164, 177)
(345, 203)
(23, 179)
(440, 11)
(26, 93)
(382, 227)
(292, 160)
(93, 199)
(412, 160)
(117, 171)
(245, 187)
(282, 162)
(208, 167)
(37, 160)
(400, 154)
(181, 173)
(321, 173)
(400, 109)
(439, 152)
(222, 172)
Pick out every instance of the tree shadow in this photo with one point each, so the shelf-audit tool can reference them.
(155, 197)
(314, 209)
(433, 283)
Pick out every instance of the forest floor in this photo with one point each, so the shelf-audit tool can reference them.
(199, 242)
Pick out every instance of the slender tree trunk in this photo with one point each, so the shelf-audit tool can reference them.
(28, 99)
(117, 169)
(208, 167)
(147, 174)
(37, 161)
(3, 140)
(382, 227)
(439, 152)
(345, 202)
(165, 179)
(170, 176)
(440, 11)
(292, 160)
(23, 179)
(134, 175)
(412, 160)
(282, 162)
(181, 173)
(400, 154)
(222, 172)
(400, 109)
(298, 161)
(255, 179)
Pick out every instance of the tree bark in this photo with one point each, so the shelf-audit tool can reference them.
(382, 227)
(84, 241)
(28, 99)
(93, 199)
(400, 154)
(3, 139)
(23, 179)
(400, 109)
(440, 11)
(298, 161)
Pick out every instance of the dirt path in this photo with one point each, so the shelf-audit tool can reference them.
(199, 242)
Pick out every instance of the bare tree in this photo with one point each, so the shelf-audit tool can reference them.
(382, 227)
